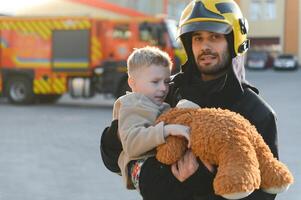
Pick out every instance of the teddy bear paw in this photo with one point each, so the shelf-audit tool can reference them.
(276, 190)
(238, 195)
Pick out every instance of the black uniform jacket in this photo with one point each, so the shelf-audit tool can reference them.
(230, 91)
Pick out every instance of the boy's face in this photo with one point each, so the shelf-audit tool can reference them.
(152, 81)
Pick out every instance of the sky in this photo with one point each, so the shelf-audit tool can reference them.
(11, 6)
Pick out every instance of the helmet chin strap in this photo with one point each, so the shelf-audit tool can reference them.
(230, 41)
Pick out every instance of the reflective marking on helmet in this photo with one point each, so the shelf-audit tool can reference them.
(244, 46)
(227, 7)
(243, 26)
(200, 11)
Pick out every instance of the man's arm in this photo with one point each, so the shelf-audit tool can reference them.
(196, 175)
(110, 147)
(158, 182)
(268, 130)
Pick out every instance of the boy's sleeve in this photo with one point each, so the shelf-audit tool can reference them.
(137, 131)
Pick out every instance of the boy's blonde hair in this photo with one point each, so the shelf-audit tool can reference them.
(146, 56)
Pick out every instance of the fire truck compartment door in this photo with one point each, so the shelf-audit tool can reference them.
(70, 50)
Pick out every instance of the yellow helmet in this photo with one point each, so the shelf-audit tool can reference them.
(220, 16)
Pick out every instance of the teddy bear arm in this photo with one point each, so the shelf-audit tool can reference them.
(171, 151)
(175, 147)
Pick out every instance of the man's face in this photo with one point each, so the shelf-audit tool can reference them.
(152, 81)
(210, 52)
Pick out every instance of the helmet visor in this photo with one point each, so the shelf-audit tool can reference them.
(216, 27)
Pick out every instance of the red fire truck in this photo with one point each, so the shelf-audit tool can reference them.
(42, 58)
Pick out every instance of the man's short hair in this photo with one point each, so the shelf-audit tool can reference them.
(146, 56)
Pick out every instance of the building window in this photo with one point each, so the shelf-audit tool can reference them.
(270, 13)
(255, 10)
(175, 8)
(262, 10)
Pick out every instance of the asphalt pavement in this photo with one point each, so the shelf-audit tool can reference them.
(51, 152)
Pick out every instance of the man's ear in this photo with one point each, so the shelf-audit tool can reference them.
(131, 83)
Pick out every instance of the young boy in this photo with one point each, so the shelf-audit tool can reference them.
(149, 75)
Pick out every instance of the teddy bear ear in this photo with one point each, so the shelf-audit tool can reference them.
(184, 103)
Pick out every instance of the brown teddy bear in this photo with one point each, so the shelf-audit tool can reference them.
(229, 141)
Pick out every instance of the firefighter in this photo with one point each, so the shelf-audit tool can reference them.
(214, 35)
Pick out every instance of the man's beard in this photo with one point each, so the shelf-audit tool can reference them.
(218, 68)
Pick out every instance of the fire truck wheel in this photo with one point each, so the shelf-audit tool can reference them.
(19, 90)
(123, 87)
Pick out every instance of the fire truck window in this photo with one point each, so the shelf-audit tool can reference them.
(121, 31)
(148, 33)
(145, 31)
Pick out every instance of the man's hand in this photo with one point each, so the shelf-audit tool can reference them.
(185, 167)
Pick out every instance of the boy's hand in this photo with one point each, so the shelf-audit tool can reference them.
(184, 103)
(177, 130)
